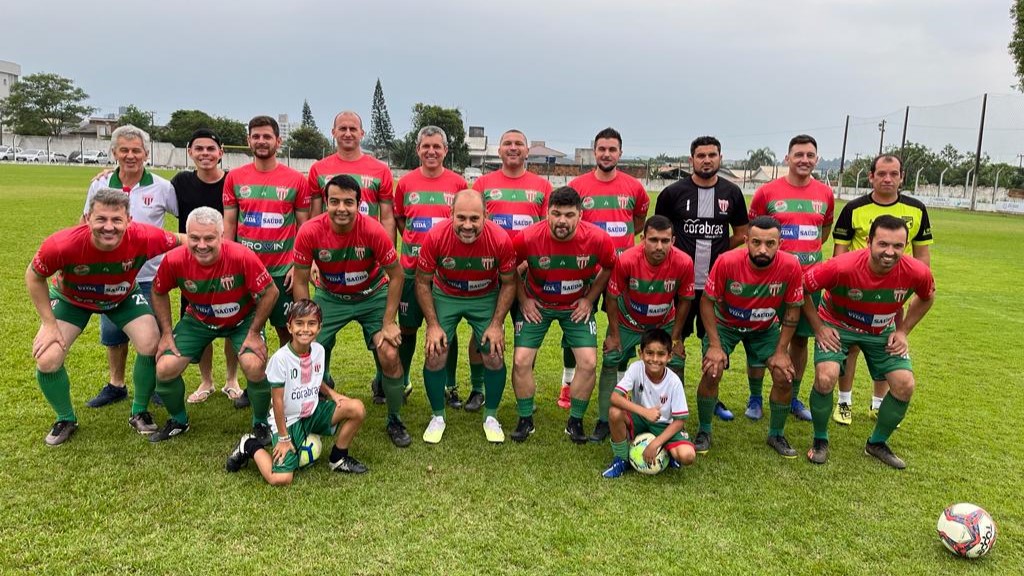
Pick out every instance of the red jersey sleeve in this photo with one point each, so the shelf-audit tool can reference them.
(387, 187)
(821, 277)
(257, 279)
(795, 286)
(399, 200)
(228, 197)
(618, 279)
(714, 279)
(427, 260)
(830, 210)
(925, 288)
(686, 280)
(47, 260)
(478, 185)
(757, 204)
(158, 241)
(313, 183)
(643, 202)
(302, 251)
(519, 244)
(607, 252)
(302, 195)
(508, 255)
(166, 274)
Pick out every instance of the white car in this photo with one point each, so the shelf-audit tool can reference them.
(9, 152)
(32, 155)
(94, 157)
(58, 157)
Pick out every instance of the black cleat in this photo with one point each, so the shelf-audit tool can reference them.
(523, 429)
(882, 451)
(261, 432)
(349, 465)
(574, 428)
(377, 389)
(781, 445)
(702, 443)
(818, 452)
(238, 459)
(171, 429)
(474, 402)
(601, 432)
(243, 400)
(398, 434)
(454, 402)
(60, 432)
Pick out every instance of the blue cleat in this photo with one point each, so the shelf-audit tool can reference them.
(723, 413)
(617, 468)
(755, 408)
(799, 410)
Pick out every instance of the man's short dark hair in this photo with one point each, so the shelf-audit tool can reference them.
(888, 222)
(259, 121)
(565, 196)
(658, 335)
(344, 182)
(608, 133)
(802, 139)
(886, 157)
(766, 223)
(705, 141)
(657, 222)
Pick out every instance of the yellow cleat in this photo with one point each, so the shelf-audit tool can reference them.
(842, 414)
(434, 431)
(493, 431)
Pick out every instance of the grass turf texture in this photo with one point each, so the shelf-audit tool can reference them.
(110, 502)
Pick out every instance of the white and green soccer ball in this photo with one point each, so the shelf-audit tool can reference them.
(636, 455)
(309, 451)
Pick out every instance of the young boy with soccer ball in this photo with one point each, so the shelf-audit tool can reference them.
(295, 373)
(658, 406)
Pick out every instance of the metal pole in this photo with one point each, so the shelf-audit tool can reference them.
(917, 178)
(842, 155)
(881, 139)
(977, 155)
(995, 189)
(903, 140)
(967, 182)
(859, 172)
(941, 176)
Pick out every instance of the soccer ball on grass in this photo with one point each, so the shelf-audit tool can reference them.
(636, 455)
(966, 530)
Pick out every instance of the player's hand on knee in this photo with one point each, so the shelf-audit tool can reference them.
(48, 336)
(437, 341)
(581, 310)
(165, 345)
(494, 336)
(281, 449)
(897, 344)
(827, 339)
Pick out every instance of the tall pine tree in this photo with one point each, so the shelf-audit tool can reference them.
(307, 116)
(382, 135)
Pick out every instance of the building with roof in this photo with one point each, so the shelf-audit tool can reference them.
(9, 74)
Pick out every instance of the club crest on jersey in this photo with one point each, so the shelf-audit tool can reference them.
(723, 205)
(448, 263)
(634, 284)
(780, 206)
(736, 288)
(403, 307)
(360, 252)
(487, 262)
(245, 191)
(817, 205)
(855, 294)
(190, 286)
(775, 288)
(126, 265)
(663, 398)
(414, 198)
(495, 194)
(282, 193)
(624, 202)
(80, 270)
(324, 255)
(670, 285)
(147, 199)
(582, 261)
(227, 282)
(544, 262)
(449, 198)
(899, 294)
(588, 202)
(366, 181)
(531, 196)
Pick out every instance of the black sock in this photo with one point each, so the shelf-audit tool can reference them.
(338, 453)
(252, 446)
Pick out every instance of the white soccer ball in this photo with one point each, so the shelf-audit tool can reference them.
(310, 450)
(636, 455)
(967, 530)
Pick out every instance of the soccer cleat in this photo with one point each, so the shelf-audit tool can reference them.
(873, 413)
(60, 432)
(818, 452)
(574, 428)
(454, 402)
(523, 429)
(799, 410)
(474, 402)
(781, 445)
(434, 431)
(882, 451)
(261, 432)
(493, 431)
(617, 468)
(238, 458)
(348, 465)
(564, 401)
(702, 443)
(723, 413)
(143, 423)
(376, 388)
(107, 395)
(171, 429)
(398, 434)
(842, 414)
(601, 432)
(674, 464)
(243, 400)
(755, 408)
(407, 392)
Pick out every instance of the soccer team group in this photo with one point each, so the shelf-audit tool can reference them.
(252, 239)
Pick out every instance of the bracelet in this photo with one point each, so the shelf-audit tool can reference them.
(285, 438)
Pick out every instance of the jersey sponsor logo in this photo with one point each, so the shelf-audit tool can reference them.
(752, 314)
(468, 285)
(264, 245)
(80, 270)
(544, 262)
(625, 202)
(775, 288)
(117, 289)
(582, 261)
(736, 288)
(616, 229)
(190, 286)
(650, 309)
(477, 285)
(495, 194)
(799, 232)
(521, 221)
(702, 230)
(324, 255)
(899, 294)
(873, 320)
(352, 278)
(245, 191)
(263, 219)
(670, 285)
(360, 252)
(855, 294)
(226, 310)
(487, 262)
(364, 208)
(414, 251)
(779, 205)
(414, 198)
(448, 262)
(424, 224)
(227, 282)
(91, 288)
(588, 203)
(563, 287)
(723, 205)
(147, 199)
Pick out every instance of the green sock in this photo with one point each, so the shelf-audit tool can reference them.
(476, 376)
(144, 378)
(172, 392)
(890, 414)
(524, 406)
(56, 389)
(394, 393)
(706, 411)
(452, 367)
(756, 386)
(821, 410)
(433, 381)
(620, 449)
(494, 382)
(777, 421)
(568, 358)
(605, 385)
(577, 407)
(796, 388)
(259, 400)
(376, 362)
(405, 352)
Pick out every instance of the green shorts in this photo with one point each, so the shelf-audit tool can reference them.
(872, 346)
(133, 306)
(279, 315)
(630, 339)
(803, 329)
(638, 425)
(319, 422)
(478, 311)
(191, 336)
(368, 312)
(759, 344)
(409, 313)
(574, 334)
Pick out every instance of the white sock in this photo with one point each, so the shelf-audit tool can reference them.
(620, 375)
(846, 397)
(876, 402)
(568, 374)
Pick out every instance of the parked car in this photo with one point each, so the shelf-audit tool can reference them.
(95, 157)
(32, 155)
(9, 152)
(58, 157)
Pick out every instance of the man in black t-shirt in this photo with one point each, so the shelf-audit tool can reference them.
(702, 209)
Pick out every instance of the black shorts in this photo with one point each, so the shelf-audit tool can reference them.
(693, 318)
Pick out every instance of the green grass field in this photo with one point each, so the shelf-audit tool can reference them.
(108, 502)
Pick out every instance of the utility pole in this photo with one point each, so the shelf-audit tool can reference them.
(881, 139)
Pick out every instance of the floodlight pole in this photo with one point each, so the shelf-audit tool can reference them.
(903, 140)
(977, 155)
(842, 155)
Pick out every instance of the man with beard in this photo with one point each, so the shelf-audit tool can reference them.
(568, 265)
(466, 269)
(742, 295)
(702, 208)
(863, 294)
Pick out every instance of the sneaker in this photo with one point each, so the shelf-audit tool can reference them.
(618, 468)
(755, 408)
(674, 464)
(781, 445)
(564, 400)
(493, 431)
(156, 400)
(434, 431)
(238, 458)
(523, 429)
(799, 410)
(107, 395)
(143, 423)
(723, 413)
(842, 414)
(377, 389)
(243, 400)
(574, 428)
(702, 443)
(873, 414)
(474, 402)
(348, 465)
(398, 434)
(882, 451)
(407, 392)
(454, 402)
(61, 431)
(171, 429)
(818, 452)
(601, 432)
(261, 432)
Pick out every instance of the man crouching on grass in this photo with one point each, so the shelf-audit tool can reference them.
(296, 373)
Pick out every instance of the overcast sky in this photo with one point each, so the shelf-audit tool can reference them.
(752, 72)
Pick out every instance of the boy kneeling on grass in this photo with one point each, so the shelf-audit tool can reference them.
(658, 406)
(295, 373)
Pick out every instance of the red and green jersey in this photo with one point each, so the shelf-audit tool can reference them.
(466, 270)
(858, 299)
(514, 203)
(351, 264)
(649, 292)
(423, 203)
(95, 279)
(749, 298)
(560, 273)
(267, 204)
(613, 205)
(373, 176)
(220, 295)
(803, 211)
